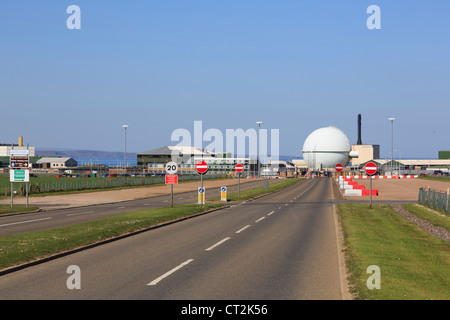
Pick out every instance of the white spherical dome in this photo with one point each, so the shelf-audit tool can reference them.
(326, 147)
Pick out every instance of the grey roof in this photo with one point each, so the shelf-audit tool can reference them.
(157, 151)
(415, 162)
(54, 160)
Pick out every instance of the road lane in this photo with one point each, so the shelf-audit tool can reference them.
(290, 254)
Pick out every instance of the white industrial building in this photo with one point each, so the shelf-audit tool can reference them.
(5, 149)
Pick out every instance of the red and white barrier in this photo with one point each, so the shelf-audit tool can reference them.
(351, 188)
(404, 176)
(356, 192)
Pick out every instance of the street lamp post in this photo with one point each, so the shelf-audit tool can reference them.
(125, 126)
(259, 127)
(392, 143)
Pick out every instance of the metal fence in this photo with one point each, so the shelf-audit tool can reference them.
(435, 199)
(77, 184)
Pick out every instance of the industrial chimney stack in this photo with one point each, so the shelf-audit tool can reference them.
(359, 130)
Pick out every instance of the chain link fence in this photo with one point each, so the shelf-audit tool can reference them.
(435, 199)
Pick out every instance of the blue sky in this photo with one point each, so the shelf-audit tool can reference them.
(160, 65)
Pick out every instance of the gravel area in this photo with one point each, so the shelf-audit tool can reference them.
(439, 232)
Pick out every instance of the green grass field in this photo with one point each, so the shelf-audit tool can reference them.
(413, 264)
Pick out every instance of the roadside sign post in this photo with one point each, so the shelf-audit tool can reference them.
(171, 178)
(19, 164)
(239, 168)
(339, 168)
(239, 185)
(19, 175)
(370, 168)
(202, 168)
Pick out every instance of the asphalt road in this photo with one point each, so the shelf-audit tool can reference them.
(55, 218)
(281, 246)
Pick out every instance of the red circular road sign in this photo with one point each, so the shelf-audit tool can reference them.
(370, 168)
(339, 167)
(201, 167)
(239, 167)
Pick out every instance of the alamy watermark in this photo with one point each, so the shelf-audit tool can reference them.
(374, 21)
(73, 22)
(236, 143)
(374, 281)
(74, 280)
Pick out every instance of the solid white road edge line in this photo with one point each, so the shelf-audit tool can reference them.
(154, 282)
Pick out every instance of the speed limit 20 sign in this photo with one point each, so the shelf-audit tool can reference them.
(171, 168)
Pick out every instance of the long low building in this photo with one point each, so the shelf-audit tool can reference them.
(411, 166)
(155, 160)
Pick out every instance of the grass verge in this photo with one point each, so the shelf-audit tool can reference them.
(413, 264)
(16, 209)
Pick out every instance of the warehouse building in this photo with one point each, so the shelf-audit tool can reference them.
(56, 163)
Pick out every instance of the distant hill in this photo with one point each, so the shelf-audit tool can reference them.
(83, 154)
